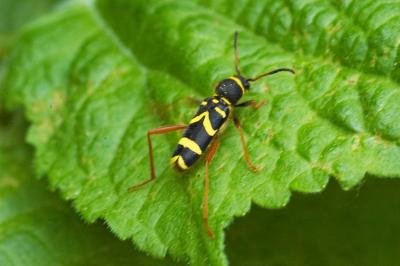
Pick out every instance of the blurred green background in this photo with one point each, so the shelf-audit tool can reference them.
(359, 227)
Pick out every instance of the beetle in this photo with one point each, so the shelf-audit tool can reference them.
(201, 135)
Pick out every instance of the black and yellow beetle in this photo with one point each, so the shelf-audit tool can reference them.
(203, 130)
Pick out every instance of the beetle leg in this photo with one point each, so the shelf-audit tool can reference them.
(155, 131)
(210, 155)
(252, 103)
(244, 146)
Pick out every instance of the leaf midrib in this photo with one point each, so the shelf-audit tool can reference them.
(128, 53)
(256, 33)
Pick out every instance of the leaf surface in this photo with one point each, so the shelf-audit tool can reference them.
(14, 14)
(36, 226)
(112, 71)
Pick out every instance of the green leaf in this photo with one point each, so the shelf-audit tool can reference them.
(93, 80)
(14, 14)
(36, 227)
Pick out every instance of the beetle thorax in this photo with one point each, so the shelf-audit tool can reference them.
(232, 88)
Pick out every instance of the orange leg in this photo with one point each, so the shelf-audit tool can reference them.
(155, 131)
(259, 104)
(245, 152)
(252, 103)
(210, 155)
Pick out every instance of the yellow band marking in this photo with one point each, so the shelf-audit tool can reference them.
(178, 160)
(215, 100)
(173, 159)
(219, 111)
(206, 122)
(203, 103)
(226, 100)
(238, 82)
(190, 144)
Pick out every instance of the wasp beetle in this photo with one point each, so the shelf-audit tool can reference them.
(201, 134)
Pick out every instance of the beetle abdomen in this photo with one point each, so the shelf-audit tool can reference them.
(211, 115)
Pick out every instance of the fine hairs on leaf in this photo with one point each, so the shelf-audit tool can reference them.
(93, 79)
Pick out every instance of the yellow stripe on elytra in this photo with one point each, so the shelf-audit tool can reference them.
(190, 144)
(221, 112)
(238, 82)
(179, 161)
(206, 122)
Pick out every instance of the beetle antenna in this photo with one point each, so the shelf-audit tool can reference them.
(235, 46)
(271, 73)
